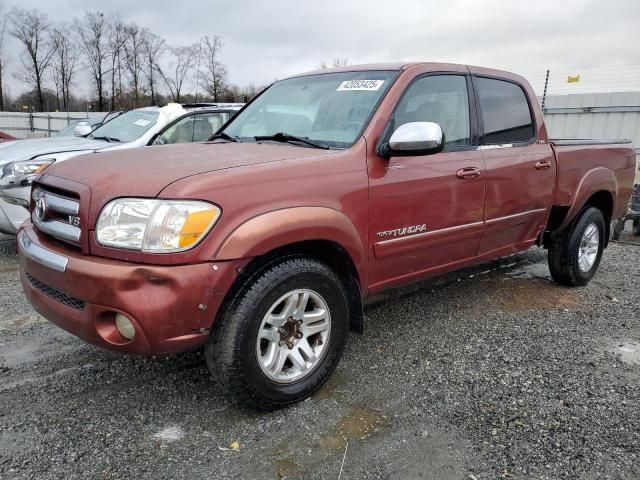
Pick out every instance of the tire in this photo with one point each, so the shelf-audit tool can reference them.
(564, 252)
(238, 360)
(636, 227)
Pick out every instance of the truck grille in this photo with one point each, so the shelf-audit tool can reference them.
(55, 294)
(56, 215)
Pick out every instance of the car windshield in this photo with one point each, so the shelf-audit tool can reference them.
(68, 130)
(328, 109)
(127, 127)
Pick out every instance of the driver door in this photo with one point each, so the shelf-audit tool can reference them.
(426, 211)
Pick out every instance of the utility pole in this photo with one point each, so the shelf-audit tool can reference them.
(544, 94)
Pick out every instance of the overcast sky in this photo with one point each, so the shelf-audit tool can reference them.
(270, 39)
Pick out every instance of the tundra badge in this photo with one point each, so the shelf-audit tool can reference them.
(401, 232)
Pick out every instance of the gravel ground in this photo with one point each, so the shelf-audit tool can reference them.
(493, 372)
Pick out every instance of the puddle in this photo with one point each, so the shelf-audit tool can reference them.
(286, 468)
(629, 352)
(296, 456)
(360, 424)
(519, 294)
(535, 270)
(331, 389)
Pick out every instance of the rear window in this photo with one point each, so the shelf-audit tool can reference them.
(505, 111)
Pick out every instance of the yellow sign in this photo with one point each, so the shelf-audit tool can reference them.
(573, 79)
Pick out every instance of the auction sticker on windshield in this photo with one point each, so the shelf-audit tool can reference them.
(360, 85)
(142, 122)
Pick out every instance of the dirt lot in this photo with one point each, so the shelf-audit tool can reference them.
(494, 372)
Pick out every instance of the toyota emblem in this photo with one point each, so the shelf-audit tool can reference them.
(41, 208)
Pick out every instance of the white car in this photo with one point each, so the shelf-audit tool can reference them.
(21, 161)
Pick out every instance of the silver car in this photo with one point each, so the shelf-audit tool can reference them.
(22, 161)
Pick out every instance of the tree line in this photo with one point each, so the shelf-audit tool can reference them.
(128, 66)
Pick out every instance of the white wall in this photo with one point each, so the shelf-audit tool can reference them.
(19, 124)
(595, 115)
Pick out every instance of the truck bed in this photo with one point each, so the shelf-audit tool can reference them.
(582, 161)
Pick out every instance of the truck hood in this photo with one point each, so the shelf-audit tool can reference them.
(37, 147)
(145, 172)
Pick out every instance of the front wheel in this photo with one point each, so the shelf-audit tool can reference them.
(282, 334)
(636, 227)
(575, 252)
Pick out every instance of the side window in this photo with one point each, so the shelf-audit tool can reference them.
(179, 132)
(505, 111)
(206, 124)
(442, 99)
(194, 128)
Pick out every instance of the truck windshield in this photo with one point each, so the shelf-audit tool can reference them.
(127, 127)
(328, 109)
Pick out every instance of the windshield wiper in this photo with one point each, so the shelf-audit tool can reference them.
(108, 139)
(224, 136)
(285, 137)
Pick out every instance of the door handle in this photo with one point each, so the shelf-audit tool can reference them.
(542, 165)
(468, 172)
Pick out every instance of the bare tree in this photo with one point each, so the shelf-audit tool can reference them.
(335, 63)
(134, 58)
(3, 34)
(31, 28)
(92, 30)
(117, 38)
(249, 91)
(154, 47)
(180, 66)
(215, 71)
(65, 64)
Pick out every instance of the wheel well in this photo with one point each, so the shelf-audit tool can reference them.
(601, 200)
(327, 252)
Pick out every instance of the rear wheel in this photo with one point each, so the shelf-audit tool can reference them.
(636, 227)
(575, 252)
(282, 334)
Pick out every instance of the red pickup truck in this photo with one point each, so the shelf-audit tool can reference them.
(261, 244)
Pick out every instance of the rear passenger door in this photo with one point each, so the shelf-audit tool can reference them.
(520, 171)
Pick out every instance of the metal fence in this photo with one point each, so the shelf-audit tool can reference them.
(595, 115)
(29, 125)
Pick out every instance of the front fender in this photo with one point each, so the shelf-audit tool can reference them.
(596, 180)
(268, 231)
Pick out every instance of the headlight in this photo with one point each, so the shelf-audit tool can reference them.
(28, 169)
(160, 226)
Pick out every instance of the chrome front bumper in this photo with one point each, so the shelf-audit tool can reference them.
(41, 255)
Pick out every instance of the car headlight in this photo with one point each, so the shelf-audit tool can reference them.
(26, 170)
(159, 226)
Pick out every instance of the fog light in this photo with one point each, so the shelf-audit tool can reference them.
(125, 327)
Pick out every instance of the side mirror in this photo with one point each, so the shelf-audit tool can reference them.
(415, 138)
(82, 130)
